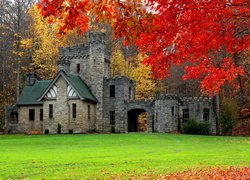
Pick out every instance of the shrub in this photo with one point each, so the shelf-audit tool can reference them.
(195, 127)
(228, 116)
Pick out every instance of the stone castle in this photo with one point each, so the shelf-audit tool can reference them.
(84, 98)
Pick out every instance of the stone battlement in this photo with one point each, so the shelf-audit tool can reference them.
(76, 51)
(196, 99)
(119, 78)
(166, 97)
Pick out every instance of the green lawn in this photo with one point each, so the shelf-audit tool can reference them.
(88, 155)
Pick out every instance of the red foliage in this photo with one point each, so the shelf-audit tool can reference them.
(205, 35)
(241, 131)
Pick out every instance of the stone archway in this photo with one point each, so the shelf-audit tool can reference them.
(134, 110)
(133, 119)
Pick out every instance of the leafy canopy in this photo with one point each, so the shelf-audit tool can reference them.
(205, 35)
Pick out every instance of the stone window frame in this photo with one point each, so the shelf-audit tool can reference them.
(41, 114)
(74, 110)
(112, 90)
(112, 117)
(129, 93)
(206, 114)
(185, 115)
(172, 110)
(78, 67)
(14, 117)
(88, 112)
(32, 114)
(51, 111)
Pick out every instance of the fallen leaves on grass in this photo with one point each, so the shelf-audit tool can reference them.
(214, 173)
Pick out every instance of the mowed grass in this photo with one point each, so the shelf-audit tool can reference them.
(103, 155)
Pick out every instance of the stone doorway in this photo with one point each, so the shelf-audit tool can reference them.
(137, 120)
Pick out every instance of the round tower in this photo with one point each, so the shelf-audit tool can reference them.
(95, 74)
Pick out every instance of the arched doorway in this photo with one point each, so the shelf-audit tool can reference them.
(137, 120)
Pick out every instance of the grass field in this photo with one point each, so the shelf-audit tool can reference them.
(100, 155)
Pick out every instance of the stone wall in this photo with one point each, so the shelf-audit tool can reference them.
(169, 112)
(196, 106)
(83, 122)
(24, 125)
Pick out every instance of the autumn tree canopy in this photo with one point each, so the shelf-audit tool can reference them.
(206, 36)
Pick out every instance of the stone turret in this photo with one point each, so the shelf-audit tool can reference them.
(96, 37)
(95, 72)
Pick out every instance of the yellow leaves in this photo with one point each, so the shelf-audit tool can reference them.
(26, 43)
(145, 86)
(118, 63)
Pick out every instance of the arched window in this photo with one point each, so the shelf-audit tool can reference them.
(14, 117)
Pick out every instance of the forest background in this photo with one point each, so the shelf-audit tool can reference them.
(28, 43)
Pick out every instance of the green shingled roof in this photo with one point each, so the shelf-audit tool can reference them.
(81, 87)
(30, 94)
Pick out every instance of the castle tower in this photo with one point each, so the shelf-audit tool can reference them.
(166, 113)
(97, 67)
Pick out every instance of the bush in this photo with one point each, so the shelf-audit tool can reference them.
(228, 116)
(195, 127)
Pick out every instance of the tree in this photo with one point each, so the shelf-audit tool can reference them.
(12, 28)
(145, 85)
(117, 62)
(206, 34)
(41, 45)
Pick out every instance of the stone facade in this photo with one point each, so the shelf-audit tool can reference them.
(106, 105)
(62, 113)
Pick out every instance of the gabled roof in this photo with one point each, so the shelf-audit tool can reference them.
(77, 84)
(31, 93)
(81, 88)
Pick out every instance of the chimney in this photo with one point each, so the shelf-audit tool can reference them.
(31, 79)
